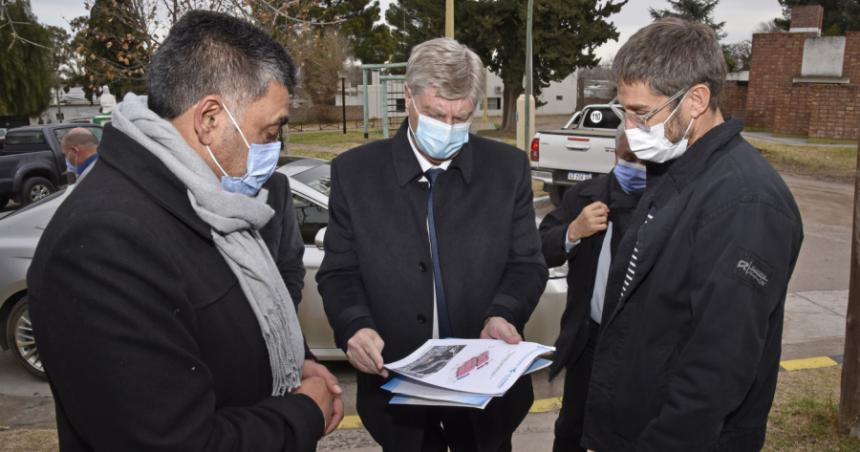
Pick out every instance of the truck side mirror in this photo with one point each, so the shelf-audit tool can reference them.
(319, 238)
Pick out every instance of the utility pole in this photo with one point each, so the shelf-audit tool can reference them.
(528, 87)
(849, 403)
(449, 19)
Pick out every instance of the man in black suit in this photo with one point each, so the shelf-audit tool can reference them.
(432, 234)
(584, 231)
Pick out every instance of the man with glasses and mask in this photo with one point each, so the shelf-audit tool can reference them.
(689, 346)
(432, 235)
(585, 231)
(162, 292)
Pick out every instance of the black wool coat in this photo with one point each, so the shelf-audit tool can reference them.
(377, 270)
(582, 259)
(689, 347)
(147, 339)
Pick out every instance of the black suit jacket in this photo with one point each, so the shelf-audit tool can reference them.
(377, 270)
(148, 341)
(582, 259)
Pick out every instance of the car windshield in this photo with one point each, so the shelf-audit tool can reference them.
(318, 178)
(25, 137)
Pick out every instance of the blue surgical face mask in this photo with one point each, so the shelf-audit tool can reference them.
(631, 176)
(440, 140)
(261, 163)
(71, 168)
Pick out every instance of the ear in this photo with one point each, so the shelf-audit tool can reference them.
(208, 120)
(700, 99)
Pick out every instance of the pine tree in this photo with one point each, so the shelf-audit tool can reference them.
(692, 10)
(26, 69)
(565, 35)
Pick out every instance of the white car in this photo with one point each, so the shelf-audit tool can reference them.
(309, 181)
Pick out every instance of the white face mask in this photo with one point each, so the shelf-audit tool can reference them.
(653, 145)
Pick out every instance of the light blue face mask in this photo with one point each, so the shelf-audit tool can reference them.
(631, 176)
(440, 140)
(261, 163)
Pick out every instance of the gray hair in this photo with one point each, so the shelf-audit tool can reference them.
(671, 55)
(445, 64)
(212, 53)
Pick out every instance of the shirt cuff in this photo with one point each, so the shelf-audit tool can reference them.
(568, 245)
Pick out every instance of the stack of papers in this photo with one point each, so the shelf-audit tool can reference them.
(462, 372)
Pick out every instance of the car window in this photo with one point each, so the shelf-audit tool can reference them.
(25, 137)
(600, 118)
(311, 218)
(318, 178)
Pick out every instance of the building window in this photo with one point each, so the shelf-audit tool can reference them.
(400, 106)
(494, 103)
(559, 97)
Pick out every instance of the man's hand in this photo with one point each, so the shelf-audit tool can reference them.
(315, 369)
(317, 389)
(593, 219)
(364, 351)
(499, 328)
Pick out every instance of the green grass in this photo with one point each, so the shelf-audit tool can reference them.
(328, 137)
(835, 163)
(805, 412)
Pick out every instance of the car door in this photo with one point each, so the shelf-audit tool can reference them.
(312, 217)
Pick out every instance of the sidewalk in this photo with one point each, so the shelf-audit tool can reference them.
(790, 141)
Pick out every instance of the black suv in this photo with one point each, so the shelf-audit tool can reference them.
(32, 164)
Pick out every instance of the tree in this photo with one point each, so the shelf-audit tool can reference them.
(839, 15)
(565, 35)
(26, 65)
(692, 10)
(738, 55)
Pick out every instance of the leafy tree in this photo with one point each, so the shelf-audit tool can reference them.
(565, 35)
(26, 72)
(839, 15)
(692, 10)
(738, 55)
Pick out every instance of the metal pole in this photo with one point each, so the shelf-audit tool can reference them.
(365, 112)
(528, 97)
(849, 403)
(449, 19)
(343, 101)
(383, 102)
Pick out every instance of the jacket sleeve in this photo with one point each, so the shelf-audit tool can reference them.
(292, 250)
(526, 273)
(339, 277)
(553, 228)
(744, 257)
(115, 329)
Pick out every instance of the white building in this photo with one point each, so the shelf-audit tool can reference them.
(560, 97)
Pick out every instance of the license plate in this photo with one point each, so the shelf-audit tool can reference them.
(578, 177)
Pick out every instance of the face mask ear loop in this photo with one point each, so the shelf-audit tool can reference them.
(212, 156)
(236, 124)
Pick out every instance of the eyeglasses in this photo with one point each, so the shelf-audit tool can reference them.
(641, 121)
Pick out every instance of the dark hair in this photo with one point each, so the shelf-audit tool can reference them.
(671, 55)
(214, 53)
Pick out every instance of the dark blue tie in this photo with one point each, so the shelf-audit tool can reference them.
(441, 301)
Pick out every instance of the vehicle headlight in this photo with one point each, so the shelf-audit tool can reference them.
(558, 272)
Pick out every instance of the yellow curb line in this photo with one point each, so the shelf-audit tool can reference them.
(808, 363)
(353, 422)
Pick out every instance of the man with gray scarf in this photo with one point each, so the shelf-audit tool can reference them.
(163, 290)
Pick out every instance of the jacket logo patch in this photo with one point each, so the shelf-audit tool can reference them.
(748, 269)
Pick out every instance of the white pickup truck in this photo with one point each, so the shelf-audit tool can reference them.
(583, 148)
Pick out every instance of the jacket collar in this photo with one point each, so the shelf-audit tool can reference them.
(407, 167)
(693, 162)
(147, 173)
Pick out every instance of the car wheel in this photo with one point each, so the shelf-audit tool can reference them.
(22, 342)
(556, 193)
(36, 188)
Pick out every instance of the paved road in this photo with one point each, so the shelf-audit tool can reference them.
(814, 325)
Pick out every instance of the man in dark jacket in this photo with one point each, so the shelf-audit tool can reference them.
(432, 234)
(584, 231)
(689, 347)
(162, 291)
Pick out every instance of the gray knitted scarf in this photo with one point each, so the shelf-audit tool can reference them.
(235, 220)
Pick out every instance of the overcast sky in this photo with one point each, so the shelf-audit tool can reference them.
(741, 16)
